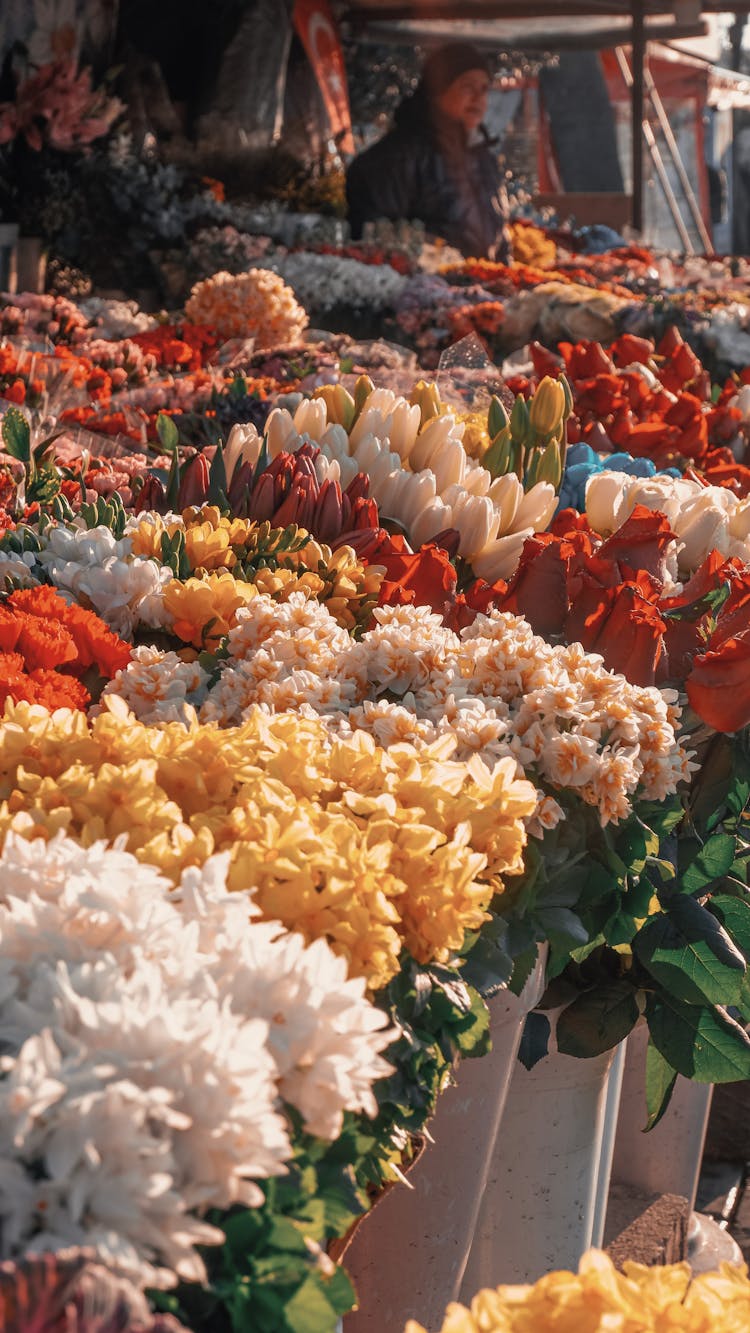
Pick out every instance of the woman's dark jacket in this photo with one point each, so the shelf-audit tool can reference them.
(425, 169)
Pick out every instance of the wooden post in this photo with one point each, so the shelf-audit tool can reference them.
(638, 50)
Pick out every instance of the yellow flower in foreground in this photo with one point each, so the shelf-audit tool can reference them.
(599, 1299)
(376, 850)
(201, 611)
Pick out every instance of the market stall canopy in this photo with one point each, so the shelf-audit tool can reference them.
(548, 25)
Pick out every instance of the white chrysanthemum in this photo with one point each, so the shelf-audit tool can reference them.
(149, 1036)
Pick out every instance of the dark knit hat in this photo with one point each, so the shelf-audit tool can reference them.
(449, 62)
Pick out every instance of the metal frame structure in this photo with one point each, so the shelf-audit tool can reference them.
(647, 19)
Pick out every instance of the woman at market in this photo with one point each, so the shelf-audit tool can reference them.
(436, 165)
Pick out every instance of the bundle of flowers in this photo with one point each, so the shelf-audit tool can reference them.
(32, 315)
(617, 599)
(377, 850)
(58, 106)
(599, 1298)
(256, 304)
(151, 1045)
(187, 346)
(220, 564)
(654, 401)
(48, 646)
(419, 471)
(115, 319)
(324, 282)
(702, 518)
(302, 487)
(496, 691)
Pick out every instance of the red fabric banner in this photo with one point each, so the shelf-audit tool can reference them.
(318, 33)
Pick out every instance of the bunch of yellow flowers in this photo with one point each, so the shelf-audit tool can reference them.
(599, 1299)
(377, 850)
(231, 560)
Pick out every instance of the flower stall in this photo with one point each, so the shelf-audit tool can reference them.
(374, 760)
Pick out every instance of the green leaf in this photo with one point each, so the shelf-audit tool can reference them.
(169, 436)
(488, 965)
(701, 1042)
(16, 435)
(712, 861)
(534, 1040)
(309, 1311)
(660, 1081)
(734, 915)
(598, 1020)
(686, 949)
(217, 478)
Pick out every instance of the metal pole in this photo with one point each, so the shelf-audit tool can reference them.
(676, 156)
(653, 148)
(638, 48)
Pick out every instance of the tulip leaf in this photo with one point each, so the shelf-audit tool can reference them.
(534, 1040)
(701, 1042)
(16, 435)
(217, 479)
(169, 436)
(660, 1081)
(598, 1020)
(688, 952)
(713, 860)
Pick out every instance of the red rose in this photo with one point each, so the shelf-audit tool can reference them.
(641, 543)
(718, 686)
(623, 626)
(426, 578)
(684, 638)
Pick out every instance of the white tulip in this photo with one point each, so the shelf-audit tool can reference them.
(327, 469)
(739, 523)
(478, 522)
(433, 519)
(369, 422)
(537, 507)
(243, 446)
(430, 441)
(419, 491)
(382, 467)
(404, 428)
(389, 492)
(384, 401)
(367, 451)
(336, 441)
(449, 464)
(311, 418)
(506, 493)
(500, 559)
(280, 432)
(477, 479)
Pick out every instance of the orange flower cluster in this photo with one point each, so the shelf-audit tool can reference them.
(47, 645)
(184, 347)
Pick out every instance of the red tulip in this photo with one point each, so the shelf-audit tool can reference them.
(194, 483)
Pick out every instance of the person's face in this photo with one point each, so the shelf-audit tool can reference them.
(465, 99)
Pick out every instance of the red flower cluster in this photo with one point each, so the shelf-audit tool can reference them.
(46, 646)
(617, 407)
(183, 346)
(608, 596)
